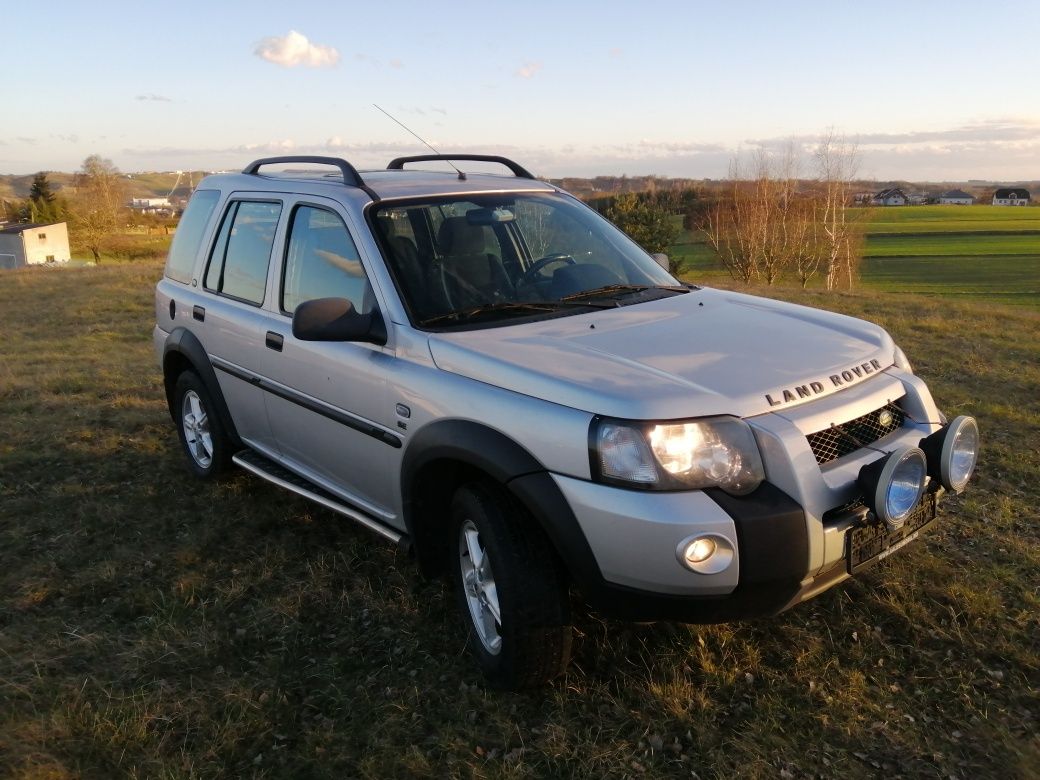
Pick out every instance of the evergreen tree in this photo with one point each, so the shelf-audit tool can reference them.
(43, 204)
(647, 223)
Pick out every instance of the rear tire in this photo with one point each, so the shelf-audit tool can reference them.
(511, 592)
(205, 444)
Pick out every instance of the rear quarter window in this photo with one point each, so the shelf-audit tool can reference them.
(188, 237)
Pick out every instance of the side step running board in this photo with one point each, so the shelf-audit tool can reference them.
(267, 469)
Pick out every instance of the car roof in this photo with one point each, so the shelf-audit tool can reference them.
(382, 184)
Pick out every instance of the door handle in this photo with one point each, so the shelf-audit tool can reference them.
(274, 341)
(199, 313)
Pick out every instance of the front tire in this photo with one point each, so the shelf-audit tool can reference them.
(510, 590)
(202, 437)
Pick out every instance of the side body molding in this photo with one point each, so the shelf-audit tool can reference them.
(440, 450)
(184, 350)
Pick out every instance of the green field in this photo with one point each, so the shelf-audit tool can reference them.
(152, 626)
(946, 219)
(989, 253)
(938, 244)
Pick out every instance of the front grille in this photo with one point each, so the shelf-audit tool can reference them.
(838, 440)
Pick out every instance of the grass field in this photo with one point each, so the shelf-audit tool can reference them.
(155, 627)
(947, 219)
(987, 253)
(939, 244)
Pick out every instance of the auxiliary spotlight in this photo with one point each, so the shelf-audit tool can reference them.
(952, 453)
(893, 485)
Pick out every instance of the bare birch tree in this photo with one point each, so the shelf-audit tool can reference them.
(805, 238)
(837, 161)
(751, 228)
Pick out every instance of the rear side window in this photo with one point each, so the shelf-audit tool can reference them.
(322, 262)
(242, 253)
(188, 237)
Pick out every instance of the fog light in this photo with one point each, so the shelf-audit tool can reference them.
(952, 453)
(893, 485)
(708, 554)
(699, 550)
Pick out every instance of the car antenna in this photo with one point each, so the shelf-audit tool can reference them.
(462, 176)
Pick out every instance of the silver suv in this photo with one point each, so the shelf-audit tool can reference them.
(483, 370)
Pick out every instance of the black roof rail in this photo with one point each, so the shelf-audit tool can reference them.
(351, 177)
(518, 170)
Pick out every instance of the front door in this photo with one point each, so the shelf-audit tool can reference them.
(328, 403)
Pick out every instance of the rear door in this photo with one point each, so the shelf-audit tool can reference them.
(328, 404)
(231, 321)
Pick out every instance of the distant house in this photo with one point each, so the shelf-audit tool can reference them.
(956, 198)
(1011, 196)
(890, 197)
(33, 244)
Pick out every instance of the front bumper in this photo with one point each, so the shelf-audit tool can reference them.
(634, 537)
(792, 536)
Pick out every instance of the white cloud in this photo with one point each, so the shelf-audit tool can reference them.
(274, 147)
(152, 96)
(294, 49)
(528, 70)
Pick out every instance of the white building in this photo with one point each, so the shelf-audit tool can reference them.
(1011, 196)
(956, 198)
(152, 205)
(33, 244)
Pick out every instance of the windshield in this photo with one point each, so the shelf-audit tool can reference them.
(499, 256)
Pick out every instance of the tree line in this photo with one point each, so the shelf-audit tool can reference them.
(766, 222)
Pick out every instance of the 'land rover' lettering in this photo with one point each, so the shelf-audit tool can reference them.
(815, 388)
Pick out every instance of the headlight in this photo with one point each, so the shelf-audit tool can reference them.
(713, 452)
(952, 452)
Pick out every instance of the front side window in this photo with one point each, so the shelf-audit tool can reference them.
(322, 261)
(242, 253)
(499, 256)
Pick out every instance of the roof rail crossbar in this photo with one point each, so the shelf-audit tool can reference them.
(518, 170)
(350, 175)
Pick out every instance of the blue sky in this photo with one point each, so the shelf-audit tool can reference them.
(929, 90)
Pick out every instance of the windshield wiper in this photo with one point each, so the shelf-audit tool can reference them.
(490, 308)
(515, 306)
(616, 289)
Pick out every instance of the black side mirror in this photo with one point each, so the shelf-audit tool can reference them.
(335, 319)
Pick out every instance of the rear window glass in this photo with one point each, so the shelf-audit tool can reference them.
(188, 237)
(241, 256)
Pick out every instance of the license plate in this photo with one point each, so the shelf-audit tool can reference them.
(869, 544)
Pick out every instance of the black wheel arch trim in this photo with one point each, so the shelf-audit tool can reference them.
(492, 452)
(183, 342)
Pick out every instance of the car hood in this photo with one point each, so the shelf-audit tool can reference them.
(703, 353)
